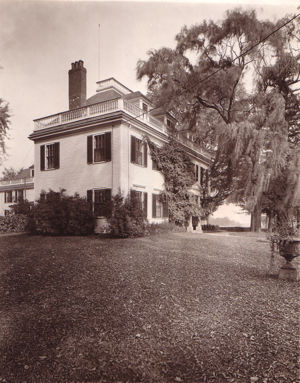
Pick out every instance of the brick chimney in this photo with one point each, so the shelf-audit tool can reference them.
(77, 85)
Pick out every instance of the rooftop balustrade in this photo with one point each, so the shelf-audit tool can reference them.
(17, 181)
(104, 108)
(94, 110)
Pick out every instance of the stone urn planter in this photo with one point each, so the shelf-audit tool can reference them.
(289, 250)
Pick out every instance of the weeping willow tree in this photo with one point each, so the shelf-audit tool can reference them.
(208, 82)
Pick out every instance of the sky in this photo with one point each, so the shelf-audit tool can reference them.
(39, 41)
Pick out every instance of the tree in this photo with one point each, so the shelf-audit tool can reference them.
(280, 72)
(204, 82)
(4, 126)
(9, 174)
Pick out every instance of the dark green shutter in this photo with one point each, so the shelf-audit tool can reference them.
(154, 205)
(90, 149)
(132, 155)
(42, 157)
(145, 155)
(108, 146)
(56, 155)
(145, 207)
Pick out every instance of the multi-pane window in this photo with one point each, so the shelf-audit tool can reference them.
(49, 156)
(140, 198)
(159, 207)
(100, 200)
(138, 152)
(99, 148)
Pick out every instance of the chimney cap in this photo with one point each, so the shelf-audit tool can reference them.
(77, 64)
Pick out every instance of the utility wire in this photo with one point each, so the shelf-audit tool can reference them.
(232, 61)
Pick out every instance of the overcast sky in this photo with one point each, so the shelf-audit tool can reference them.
(39, 40)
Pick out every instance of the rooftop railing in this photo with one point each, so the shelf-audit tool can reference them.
(17, 181)
(97, 110)
(103, 108)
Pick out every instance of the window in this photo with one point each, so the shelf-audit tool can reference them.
(159, 207)
(99, 148)
(138, 152)
(196, 172)
(49, 156)
(8, 197)
(20, 195)
(100, 201)
(140, 198)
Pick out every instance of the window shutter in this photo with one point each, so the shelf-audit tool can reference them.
(132, 156)
(206, 178)
(108, 146)
(90, 198)
(5, 197)
(145, 207)
(42, 151)
(154, 205)
(145, 155)
(56, 155)
(108, 205)
(201, 175)
(90, 149)
(165, 209)
(132, 195)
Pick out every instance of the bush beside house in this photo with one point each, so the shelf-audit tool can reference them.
(13, 223)
(59, 214)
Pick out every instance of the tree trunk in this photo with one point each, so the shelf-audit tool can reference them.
(256, 219)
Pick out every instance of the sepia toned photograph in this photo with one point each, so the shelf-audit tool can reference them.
(149, 191)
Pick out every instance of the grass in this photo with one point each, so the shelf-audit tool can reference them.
(168, 308)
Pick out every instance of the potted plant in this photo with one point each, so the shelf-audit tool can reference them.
(284, 239)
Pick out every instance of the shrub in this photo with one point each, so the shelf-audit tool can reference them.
(127, 217)
(13, 223)
(210, 227)
(58, 214)
(22, 207)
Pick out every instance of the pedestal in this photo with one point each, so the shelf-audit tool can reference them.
(289, 273)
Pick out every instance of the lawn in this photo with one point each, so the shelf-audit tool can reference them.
(167, 308)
